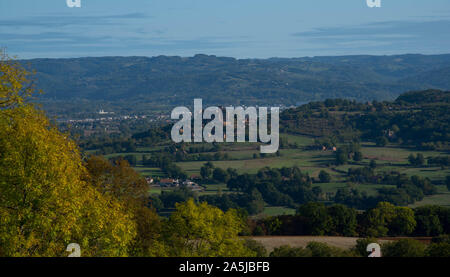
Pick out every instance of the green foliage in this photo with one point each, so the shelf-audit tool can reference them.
(387, 219)
(432, 220)
(341, 156)
(286, 251)
(200, 230)
(206, 170)
(15, 84)
(422, 124)
(361, 246)
(316, 217)
(342, 220)
(324, 177)
(208, 77)
(358, 156)
(180, 195)
(256, 247)
(319, 249)
(441, 249)
(45, 204)
(403, 248)
(220, 175)
(417, 160)
(381, 141)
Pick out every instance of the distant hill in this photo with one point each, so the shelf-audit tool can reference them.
(221, 80)
(425, 97)
(419, 118)
(434, 78)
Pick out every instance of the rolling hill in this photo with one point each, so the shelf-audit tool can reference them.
(223, 81)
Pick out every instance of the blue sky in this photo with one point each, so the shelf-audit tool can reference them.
(236, 28)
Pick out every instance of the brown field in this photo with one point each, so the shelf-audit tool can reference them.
(271, 242)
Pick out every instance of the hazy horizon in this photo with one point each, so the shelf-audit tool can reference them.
(249, 58)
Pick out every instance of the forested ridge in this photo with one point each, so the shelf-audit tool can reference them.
(226, 81)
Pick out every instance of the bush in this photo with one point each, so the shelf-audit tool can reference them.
(381, 141)
(361, 246)
(324, 176)
(441, 249)
(358, 156)
(287, 251)
(256, 247)
(319, 249)
(403, 248)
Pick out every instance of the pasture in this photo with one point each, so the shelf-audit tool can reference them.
(246, 158)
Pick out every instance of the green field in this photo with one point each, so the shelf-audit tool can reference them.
(241, 156)
(273, 211)
(441, 199)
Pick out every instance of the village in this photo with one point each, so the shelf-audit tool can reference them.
(167, 183)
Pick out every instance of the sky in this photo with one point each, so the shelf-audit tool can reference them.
(232, 28)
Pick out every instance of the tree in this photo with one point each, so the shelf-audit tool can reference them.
(206, 170)
(316, 218)
(412, 159)
(317, 191)
(131, 159)
(381, 141)
(220, 175)
(447, 182)
(171, 198)
(403, 223)
(120, 181)
(418, 160)
(386, 219)
(257, 247)
(117, 179)
(439, 250)
(324, 176)
(232, 173)
(403, 248)
(377, 220)
(361, 246)
(286, 251)
(428, 221)
(373, 164)
(201, 230)
(15, 84)
(358, 156)
(256, 205)
(342, 220)
(341, 156)
(44, 202)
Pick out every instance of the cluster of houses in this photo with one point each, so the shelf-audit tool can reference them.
(176, 183)
(324, 148)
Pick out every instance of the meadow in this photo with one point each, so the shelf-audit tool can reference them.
(245, 158)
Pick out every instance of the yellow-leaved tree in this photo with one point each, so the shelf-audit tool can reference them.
(201, 230)
(122, 182)
(45, 203)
